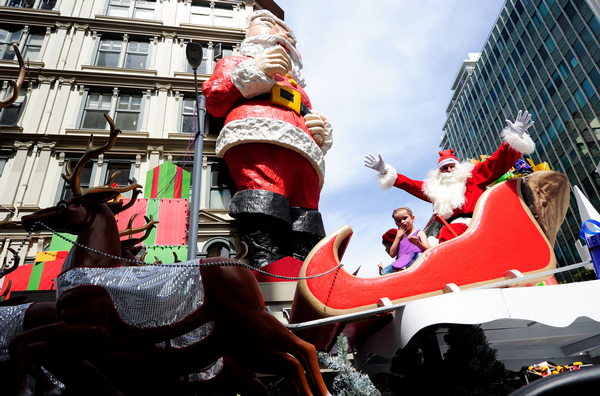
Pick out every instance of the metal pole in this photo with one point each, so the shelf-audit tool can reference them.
(194, 57)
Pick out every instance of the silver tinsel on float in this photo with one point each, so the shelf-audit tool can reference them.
(146, 296)
(11, 323)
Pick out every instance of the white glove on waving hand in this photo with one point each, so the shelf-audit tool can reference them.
(375, 163)
(521, 124)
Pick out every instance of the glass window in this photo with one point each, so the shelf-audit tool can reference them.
(21, 3)
(515, 56)
(521, 88)
(572, 108)
(538, 104)
(109, 53)
(551, 132)
(124, 169)
(550, 88)
(536, 19)
(543, 9)
(7, 38)
(188, 124)
(557, 80)
(571, 59)
(96, 105)
(128, 112)
(578, 47)
(137, 54)
(520, 47)
(570, 10)
(220, 195)
(33, 46)
(594, 25)
(563, 114)
(550, 43)
(557, 124)
(579, 97)
(595, 76)
(47, 4)
(9, 116)
(587, 37)
(200, 13)
(587, 87)
(537, 62)
(564, 24)
(525, 79)
(543, 53)
(223, 15)
(131, 9)
(531, 70)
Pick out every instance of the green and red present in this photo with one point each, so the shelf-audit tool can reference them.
(167, 181)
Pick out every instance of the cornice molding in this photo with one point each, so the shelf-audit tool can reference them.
(22, 145)
(46, 146)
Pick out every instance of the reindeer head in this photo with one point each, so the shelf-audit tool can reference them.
(75, 214)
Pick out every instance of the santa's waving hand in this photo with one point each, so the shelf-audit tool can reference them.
(454, 187)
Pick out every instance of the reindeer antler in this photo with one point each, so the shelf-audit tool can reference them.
(16, 85)
(73, 177)
(130, 230)
(15, 264)
(6, 291)
(7, 220)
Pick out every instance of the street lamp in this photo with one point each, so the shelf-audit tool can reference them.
(193, 53)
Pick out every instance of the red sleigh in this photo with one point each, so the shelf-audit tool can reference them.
(533, 207)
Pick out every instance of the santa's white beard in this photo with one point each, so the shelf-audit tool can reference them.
(447, 190)
(254, 45)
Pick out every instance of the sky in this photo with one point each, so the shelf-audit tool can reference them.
(381, 71)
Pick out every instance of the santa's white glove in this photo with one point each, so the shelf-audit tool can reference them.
(521, 124)
(375, 163)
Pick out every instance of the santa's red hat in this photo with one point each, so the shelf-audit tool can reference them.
(390, 235)
(447, 157)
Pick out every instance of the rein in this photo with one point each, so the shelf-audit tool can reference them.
(201, 264)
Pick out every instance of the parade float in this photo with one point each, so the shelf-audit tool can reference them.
(108, 332)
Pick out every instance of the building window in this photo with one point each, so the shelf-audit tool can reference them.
(7, 38)
(47, 4)
(9, 116)
(127, 113)
(220, 181)
(115, 52)
(96, 105)
(220, 51)
(131, 8)
(187, 122)
(124, 168)
(202, 13)
(33, 46)
(21, 3)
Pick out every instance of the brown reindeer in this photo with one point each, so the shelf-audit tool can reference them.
(89, 325)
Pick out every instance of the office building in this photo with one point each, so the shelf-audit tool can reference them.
(542, 56)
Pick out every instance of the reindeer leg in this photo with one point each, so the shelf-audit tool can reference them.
(60, 333)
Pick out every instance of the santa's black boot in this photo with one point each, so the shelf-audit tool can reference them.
(265, 223)
(307, 231)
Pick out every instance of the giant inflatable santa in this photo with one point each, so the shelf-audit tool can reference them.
(273, 142)
(454, 187)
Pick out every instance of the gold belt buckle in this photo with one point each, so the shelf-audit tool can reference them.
(286, 97)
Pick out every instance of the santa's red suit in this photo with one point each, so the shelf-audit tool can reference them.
(482, 175)
(266, 146)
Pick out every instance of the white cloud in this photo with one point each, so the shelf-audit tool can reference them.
(382, 72)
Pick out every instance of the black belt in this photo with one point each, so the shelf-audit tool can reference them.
(285, 97)
(467, 215)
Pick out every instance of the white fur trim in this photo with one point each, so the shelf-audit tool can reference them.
(268, 130)
(388, 179)
(433, 241)
(249, 80)
(447, 161)
(520, 142)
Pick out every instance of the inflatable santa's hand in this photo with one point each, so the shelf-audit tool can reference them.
(375, 163)
(273, 61)
(521, 124)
